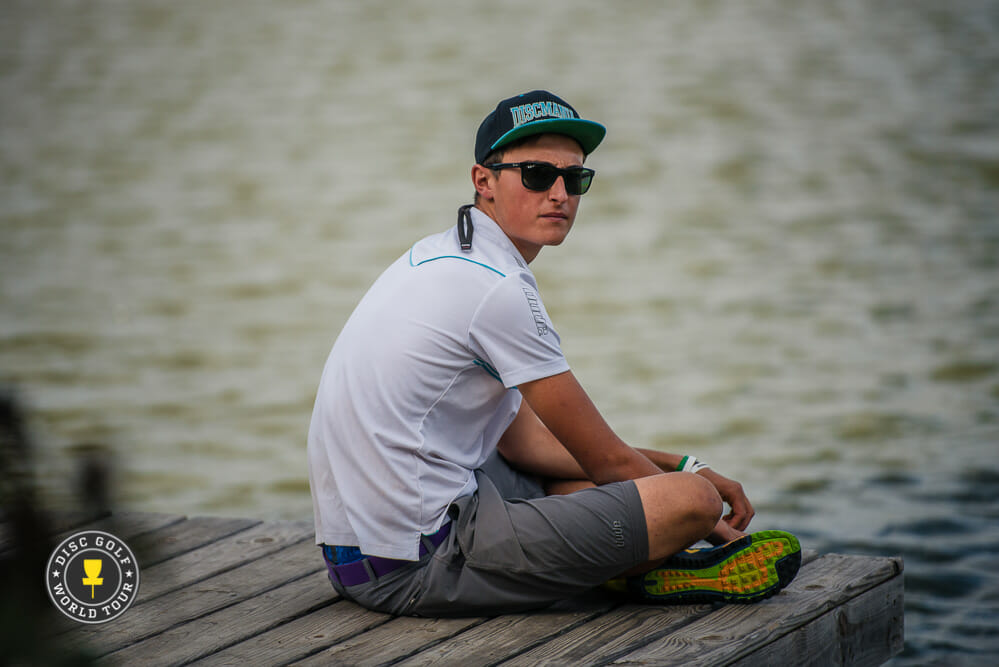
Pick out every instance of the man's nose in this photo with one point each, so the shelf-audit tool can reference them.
(557, 191)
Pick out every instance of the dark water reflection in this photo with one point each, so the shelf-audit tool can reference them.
(942, 523)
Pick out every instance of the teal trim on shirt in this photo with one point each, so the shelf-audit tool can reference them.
(471, 261)
(488, 368)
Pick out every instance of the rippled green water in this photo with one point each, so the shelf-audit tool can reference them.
(788, 264)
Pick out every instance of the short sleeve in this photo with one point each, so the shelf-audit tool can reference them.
(512, 332)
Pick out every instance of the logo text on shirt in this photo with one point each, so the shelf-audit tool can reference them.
(539, 319)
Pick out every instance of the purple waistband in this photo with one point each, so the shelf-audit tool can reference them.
(372, 567)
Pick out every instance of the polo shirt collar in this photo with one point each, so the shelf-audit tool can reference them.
(488, 229)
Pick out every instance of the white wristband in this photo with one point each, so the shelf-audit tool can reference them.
(690, 464)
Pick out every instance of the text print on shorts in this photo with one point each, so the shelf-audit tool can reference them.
(92, 577)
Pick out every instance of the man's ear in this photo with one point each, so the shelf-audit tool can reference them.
(483, 179)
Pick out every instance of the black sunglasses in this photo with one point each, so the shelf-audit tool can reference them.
(539, 176)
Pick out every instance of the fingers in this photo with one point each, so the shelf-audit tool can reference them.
(742, 511)
(739, 518)
(723, 533)
(732, 493)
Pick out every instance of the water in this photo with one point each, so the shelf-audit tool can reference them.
(788, 263)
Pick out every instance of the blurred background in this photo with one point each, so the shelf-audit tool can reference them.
(788, 264)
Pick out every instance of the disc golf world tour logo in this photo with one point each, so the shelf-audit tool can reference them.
(92, 577)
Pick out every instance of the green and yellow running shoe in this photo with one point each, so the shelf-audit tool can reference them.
(748, 569)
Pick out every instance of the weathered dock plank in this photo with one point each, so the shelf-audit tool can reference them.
(220, 555)
(230, 625)
(504, 637)
(217, 591)
(395, 639)
(866, 630)
(853, 634)
(155, 613)
(619, 631)
(793, 625)
(170, 541)
(128, 526)
(301, 637)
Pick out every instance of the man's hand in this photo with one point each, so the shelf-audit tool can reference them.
(742, 511)
(723, 533)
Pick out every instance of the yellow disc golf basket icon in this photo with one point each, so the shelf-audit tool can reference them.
(92, 566)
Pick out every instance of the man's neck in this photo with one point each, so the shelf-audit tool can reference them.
(529, 253)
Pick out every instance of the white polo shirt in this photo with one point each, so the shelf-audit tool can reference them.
(419, 387)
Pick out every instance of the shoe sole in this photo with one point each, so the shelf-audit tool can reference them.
(746, 570)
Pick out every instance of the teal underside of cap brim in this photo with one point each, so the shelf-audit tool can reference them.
(588, 133)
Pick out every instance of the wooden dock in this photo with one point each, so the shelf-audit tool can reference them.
(222, 591)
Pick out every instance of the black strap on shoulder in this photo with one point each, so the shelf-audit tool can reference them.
(465, 227)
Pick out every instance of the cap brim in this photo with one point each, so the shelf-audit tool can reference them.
(588, 133)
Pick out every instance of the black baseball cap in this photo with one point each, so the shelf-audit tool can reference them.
(536, 112)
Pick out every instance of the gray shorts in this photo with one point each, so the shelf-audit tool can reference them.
(511, 548)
